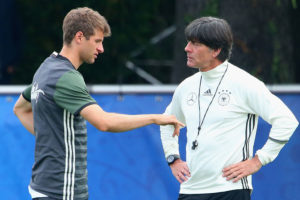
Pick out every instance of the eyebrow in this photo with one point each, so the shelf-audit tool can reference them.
(99, 40)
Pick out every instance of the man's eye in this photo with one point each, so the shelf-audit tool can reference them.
(197, 43)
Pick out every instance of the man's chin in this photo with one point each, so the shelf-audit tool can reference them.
(92, 61)
(191, 66)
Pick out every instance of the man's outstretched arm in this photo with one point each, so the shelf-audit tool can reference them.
(113, 122)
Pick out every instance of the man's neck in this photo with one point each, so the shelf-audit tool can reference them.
(213, 64)
(71, 55)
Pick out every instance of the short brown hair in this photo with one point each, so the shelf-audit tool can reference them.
(85, 20)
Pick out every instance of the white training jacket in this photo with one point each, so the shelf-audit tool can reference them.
(229, 128)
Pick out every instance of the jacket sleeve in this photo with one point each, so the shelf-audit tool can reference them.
(270, 108)
(170, 143)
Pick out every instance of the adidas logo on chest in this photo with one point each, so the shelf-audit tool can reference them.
(207, 93)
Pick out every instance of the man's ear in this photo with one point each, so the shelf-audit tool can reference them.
(78, 37)
(216, 52)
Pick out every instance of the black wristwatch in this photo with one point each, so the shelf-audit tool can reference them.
(171, 158)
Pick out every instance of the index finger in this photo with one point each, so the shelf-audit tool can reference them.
(181, 124)
(186, 172)
(229, 167)
(176, 130)
(177, 126)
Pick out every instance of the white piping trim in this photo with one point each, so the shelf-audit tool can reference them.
(73, 152)
(116, 89)
(69, 177)
(66, 160)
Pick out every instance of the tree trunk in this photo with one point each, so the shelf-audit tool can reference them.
(263, 42)
(184, 9)
(262, 37)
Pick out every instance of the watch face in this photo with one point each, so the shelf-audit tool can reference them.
(170, 158)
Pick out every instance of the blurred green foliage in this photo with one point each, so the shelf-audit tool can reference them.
(266, 37)
(133, 23)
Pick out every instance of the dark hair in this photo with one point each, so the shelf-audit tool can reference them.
(86, 20)
(212, 32)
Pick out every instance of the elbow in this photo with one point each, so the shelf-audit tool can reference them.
(104, 127)
(296, 124)
(293, 123)
(107, 127)
(290, 123)
(101, 121)
(15, 110)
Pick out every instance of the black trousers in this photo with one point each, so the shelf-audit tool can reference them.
(228, 195)
(43, 198)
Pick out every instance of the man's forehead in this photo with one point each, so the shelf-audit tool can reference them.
(98, 33)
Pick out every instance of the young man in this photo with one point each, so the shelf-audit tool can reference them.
(54, 108)
(220, 106)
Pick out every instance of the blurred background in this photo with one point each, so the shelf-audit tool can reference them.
(146, 49)
(147, 42)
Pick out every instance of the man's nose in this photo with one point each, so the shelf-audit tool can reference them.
(100, 48)
(187, 47)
